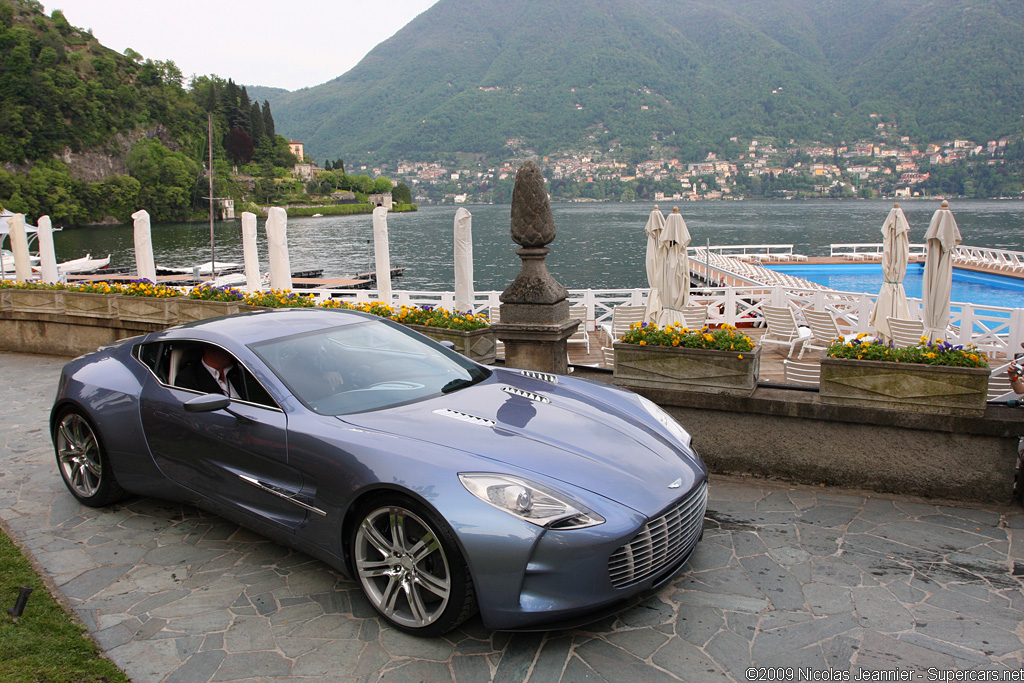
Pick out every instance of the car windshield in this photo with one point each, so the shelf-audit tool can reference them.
(363, 366)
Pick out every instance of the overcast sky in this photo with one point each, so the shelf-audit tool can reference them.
(288, 45)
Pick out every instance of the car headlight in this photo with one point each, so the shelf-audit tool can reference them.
(529, 501)
(666, 420)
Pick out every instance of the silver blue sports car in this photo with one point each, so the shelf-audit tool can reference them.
(442, 486)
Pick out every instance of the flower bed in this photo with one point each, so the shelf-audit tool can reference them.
(938, 352)
(470, 334)
(720, 361)
(723, 338)
(426, 316)
(932, 377)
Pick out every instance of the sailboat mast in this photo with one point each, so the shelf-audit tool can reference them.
(213, 257)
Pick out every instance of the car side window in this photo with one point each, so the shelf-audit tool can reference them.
(181, 364)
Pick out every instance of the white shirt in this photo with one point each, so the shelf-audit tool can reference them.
(225, 385)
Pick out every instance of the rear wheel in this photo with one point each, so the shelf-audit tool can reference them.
(83, 465)
(410, 567)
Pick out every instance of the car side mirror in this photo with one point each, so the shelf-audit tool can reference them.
(207, 403)
(448, 344)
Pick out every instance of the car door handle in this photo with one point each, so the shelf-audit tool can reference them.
(284, 493)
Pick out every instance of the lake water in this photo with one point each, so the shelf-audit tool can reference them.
(599, 245)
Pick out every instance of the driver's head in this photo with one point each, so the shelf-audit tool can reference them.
(217, 358)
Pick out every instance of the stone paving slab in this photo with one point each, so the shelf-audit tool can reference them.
(786, 577)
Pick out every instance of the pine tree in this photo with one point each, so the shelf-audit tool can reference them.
(268, 120)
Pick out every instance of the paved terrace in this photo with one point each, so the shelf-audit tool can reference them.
(802, 578)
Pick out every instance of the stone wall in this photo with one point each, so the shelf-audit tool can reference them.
(789, 434)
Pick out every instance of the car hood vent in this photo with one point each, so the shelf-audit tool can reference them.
(525, 394)
(465, 417)
(542, 376)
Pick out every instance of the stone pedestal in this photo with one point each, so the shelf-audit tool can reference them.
(534, 319)
(536, 346)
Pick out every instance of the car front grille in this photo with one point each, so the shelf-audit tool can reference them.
(661, 542)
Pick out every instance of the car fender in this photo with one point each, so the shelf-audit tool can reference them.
(108, 384)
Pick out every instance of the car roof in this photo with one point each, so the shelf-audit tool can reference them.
(258, 326)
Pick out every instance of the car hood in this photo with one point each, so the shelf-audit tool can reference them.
(568, 432)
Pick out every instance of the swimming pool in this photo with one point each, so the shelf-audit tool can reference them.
(968, 286)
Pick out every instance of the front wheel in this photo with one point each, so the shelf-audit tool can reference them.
(410, 567)
(83, 465)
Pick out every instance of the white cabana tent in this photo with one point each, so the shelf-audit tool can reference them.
(942, 238)
(382, 254)
(463, 260)
(47, 254)
(655, 262)
(675, 288)
(145, 267)
(250, 254)
(277, 248)
(892, 298)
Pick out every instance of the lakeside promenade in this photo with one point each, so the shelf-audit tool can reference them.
(789, 580)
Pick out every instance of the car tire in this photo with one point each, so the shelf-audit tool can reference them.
(410, 568)
(82, 461)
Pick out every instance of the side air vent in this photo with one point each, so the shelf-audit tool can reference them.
(526, 394)
(542, 376)
(465, 417)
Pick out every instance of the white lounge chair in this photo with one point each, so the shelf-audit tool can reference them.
(782, 328)
(494, 316)
(905, 332)
(696, 317)
(999, 388)
(824, 331)
(804, 374)
(622, 318)
(580, 336)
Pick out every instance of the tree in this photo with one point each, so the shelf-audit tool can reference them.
(268, 120)
(238, 146)
(401, 194)
(381, 185)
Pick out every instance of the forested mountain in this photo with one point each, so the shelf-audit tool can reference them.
(469, 75)
(87, 134)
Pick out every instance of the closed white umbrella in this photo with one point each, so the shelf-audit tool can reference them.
(655, 262)
(676, 287)
(19, 247)
(145, 268)
(47, 254)
(277, 249)
(942, 237)
(892, 298)
(463, 260)
(382, 254)
(250, 254)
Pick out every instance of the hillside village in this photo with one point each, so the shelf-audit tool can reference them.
(890, 165)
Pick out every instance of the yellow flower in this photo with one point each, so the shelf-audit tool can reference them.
(740, 356)
(643, 342)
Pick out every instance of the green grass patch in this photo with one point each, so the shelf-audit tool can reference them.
(45, 644)
(344, 209)
(332, 210)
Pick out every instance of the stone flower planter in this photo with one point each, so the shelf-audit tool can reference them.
(478, 345)
(701, 370)
(191, 310)
(5, 299)
(91, 305)
(149, 309)
(37, 300)
(911, 387)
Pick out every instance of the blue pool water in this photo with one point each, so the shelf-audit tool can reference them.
(968, 286)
